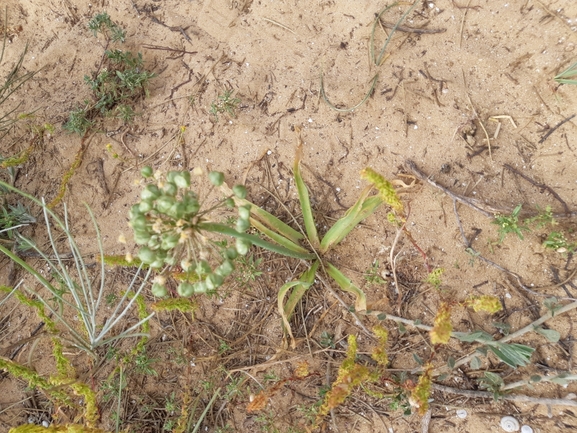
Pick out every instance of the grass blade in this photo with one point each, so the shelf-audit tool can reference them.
(304, 200)
(353, 108)
(281, 240)
(564, 77)
(255, 240)
(364, 207)
(299, 287)
(379, 60)
(348, 286)
(265, 218)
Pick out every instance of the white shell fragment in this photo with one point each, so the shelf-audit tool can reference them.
(526, 429)
(509, 424)
(462, 413)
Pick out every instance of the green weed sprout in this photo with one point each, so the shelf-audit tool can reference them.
(510, 224)
(568, 75)
(224, 104)
(73, 292)
(557, 241)
(119, 80)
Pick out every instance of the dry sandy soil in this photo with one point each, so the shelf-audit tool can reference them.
(458, 73)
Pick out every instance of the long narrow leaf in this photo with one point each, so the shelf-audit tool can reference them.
(226, 230)
(264, 217)
(281, 240)
(354, 215)
(304, 200)
(280, 300)
(348, 286)
(299, 287)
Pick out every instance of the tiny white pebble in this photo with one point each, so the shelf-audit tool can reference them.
(462, 413)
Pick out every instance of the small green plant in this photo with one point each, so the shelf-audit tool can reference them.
(558, 242)
(434, 278)
(372, 275)
(73, 294)
(568, 75)
(510, 224)
(119, 81)
(169, 223)
(225, 103)
(143, 364)
(247, 270)
(172, 229)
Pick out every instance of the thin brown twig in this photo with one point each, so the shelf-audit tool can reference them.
(463, 24)
(517, 398)
(488, 211)
(552, 130)
(407, 29)
(539, 185)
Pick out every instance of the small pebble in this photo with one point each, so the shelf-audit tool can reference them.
(462, 413)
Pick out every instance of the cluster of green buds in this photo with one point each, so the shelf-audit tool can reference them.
(168, 225)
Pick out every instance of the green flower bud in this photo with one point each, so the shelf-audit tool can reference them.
(185, 289)
(159, 290)
(225, 268)
(141, 237)
(182, 180)
(169, 241)
(244, 212)
(146, 255)
(242, 225)
(145, 206)
(146, 171)
(239, 191)
(139, 222)
(151, 192)
(216, 178)
(170, 188)
(229, 202)
(242, 246)
(231, 253)
(200, 287)
(164, 203)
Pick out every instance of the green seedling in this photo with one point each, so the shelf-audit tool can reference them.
(373, 275)
(225, 103)
(568, 76)
(119, 81)
(510, 224)
(247, 270)
(557, 241)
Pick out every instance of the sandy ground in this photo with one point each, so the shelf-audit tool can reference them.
(459, 73)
